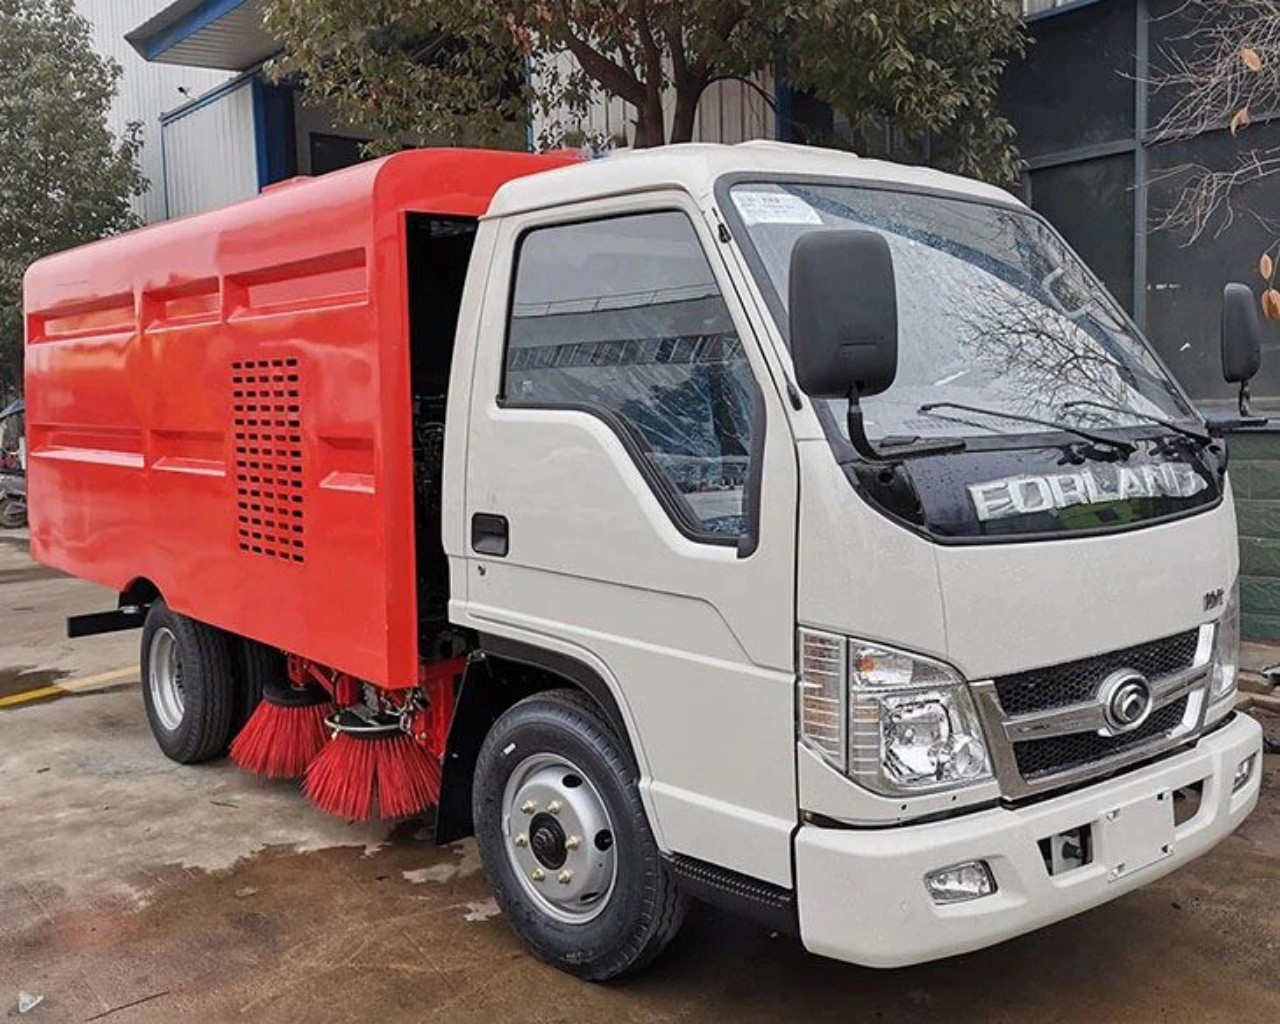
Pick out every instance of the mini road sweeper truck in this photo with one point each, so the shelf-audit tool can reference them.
(806, 534)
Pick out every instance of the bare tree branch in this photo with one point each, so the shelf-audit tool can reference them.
(1220, 71)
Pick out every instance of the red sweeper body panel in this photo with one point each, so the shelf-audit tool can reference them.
(221, 406)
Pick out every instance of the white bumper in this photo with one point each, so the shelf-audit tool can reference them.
(861, 893)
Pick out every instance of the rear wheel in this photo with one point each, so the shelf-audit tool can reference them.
(256, 664)
(188, 685)
(565, 842)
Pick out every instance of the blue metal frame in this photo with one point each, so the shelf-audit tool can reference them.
(188, 25)
(781, 107)
(530, 143)
(272, 134)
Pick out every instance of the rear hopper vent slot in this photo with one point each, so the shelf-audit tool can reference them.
(267, 410)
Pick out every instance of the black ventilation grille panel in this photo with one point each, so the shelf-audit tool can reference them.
(267, 416)
(1038, 758)
(1078, 681)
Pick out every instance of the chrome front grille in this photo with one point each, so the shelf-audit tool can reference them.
(1039, 758)
(1077, 681)
(1050, 727)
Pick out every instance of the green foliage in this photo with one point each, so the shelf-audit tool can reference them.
(64, 180)
(455, 70)
(432, 69)
(925, 67)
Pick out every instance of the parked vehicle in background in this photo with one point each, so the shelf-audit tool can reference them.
(13, 483)
(807, 534)
(13, 501)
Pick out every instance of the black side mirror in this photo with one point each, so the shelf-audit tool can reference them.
(844, 314)
(844, 327)
(1241, 339)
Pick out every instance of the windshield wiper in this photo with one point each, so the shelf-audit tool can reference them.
(1177, 428)
(1066, 428)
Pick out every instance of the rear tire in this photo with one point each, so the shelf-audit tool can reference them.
(605, 905)
(188, 685)
(257, 664)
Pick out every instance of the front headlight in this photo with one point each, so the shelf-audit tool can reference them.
(1226, 656)
(897, 723)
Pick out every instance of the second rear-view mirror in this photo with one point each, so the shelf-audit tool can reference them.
(1241, 334)
(1241, 340)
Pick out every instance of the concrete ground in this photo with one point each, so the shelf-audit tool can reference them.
(133, 890)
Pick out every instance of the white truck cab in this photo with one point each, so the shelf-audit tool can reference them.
(907, 568)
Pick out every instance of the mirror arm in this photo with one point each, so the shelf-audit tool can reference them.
(858, 435)
(868, 452)
(1244, 401)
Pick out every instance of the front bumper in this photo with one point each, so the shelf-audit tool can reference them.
(861, 892)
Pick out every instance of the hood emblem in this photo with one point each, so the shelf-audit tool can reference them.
(1126, 700)
(1028, 494)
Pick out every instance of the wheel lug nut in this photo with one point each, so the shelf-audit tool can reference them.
(522, 840)
(554, 806)
(528, 807)
(538, 874)
(572, 843)
(564, 877)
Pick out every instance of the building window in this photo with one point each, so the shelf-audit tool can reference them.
(623, 318)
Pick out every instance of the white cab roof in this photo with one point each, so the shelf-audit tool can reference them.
(695, 168)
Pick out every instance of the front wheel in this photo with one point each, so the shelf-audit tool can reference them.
(565, 842)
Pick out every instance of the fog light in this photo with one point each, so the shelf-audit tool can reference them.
(1244, 770)
(960, 883)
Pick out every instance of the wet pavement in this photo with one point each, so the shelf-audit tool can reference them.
(136, 891)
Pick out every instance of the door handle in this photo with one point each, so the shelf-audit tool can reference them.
(490, 534)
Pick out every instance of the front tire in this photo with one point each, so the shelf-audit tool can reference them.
(565, 842)
(188, 685)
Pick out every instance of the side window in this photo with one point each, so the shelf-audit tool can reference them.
(623, 318)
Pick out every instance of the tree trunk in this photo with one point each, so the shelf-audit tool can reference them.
(651, 128)
(687, 99)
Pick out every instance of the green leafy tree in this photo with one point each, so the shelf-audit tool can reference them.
(455, 70)
(928, 69)
(64, 179)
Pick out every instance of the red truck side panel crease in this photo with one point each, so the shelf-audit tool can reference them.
(221, 405)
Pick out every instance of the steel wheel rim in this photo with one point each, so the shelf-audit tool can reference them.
(559, 838)
(164, 678)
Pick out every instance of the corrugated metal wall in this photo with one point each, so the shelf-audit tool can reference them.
(209, 153)
(729, 112)
(146, 90)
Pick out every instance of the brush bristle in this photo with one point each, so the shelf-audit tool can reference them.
(351, 777)
(279, 742)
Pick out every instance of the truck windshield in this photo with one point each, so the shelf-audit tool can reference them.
(994, 310)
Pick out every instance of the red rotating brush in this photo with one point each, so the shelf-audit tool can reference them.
(285, 732)
(371, 764)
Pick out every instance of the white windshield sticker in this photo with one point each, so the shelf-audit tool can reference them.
(774, 208)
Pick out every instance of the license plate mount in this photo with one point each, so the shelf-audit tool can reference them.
(1137, 834)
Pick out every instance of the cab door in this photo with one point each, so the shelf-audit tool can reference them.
(631, 504)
